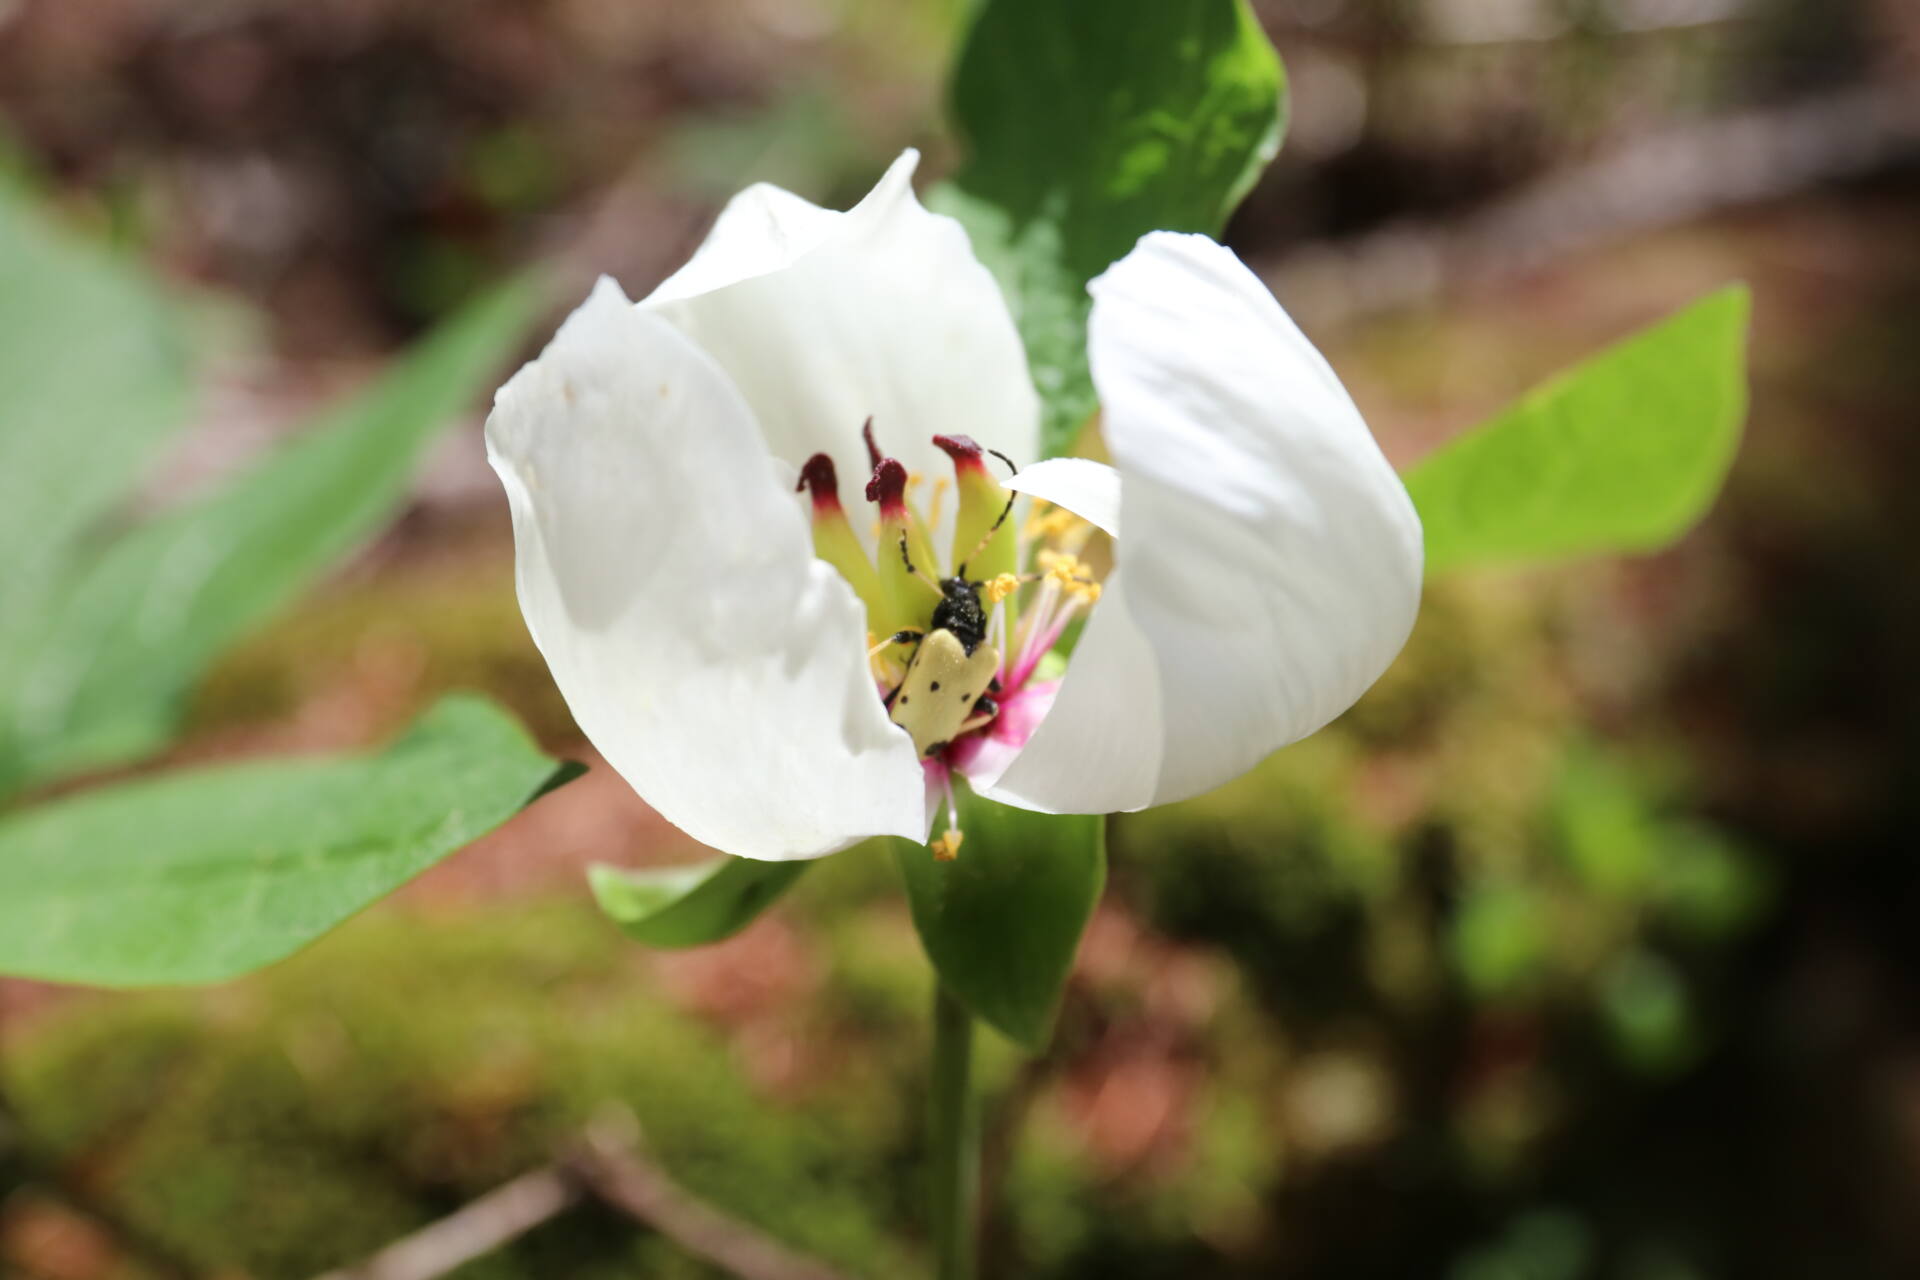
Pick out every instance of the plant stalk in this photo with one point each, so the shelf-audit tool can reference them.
(953, 1127)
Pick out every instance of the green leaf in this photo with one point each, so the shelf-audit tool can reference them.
(689, 906)
(1001, 922)
(1090, 123)
(1622, 453)
(93, 375)
(105, 678)
(205, 874)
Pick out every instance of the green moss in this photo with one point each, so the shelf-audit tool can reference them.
(395, 1070)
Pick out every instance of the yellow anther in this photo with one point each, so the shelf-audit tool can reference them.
(1002, 586)
(1091, 592)
(1051, 524)
(915, 479)
(938, 501)
(947, 847)
(1063, 568)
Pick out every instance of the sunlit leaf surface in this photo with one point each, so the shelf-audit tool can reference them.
(1621, 453)
(1088, 124)
(1001, 922)
(689, 906)
(206, 874)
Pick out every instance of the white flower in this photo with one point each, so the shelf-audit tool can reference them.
(1265, 559)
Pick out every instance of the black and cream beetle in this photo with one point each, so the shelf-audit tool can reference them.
(951, 675)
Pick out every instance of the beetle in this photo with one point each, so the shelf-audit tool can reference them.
(950, 676)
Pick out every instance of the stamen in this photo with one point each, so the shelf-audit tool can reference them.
(1037, 622)
(1051, 524)
(947, 847)
(997, 623)
(936, 503)
(999, 587)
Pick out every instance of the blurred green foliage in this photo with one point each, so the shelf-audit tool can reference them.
(1515, 974)
(93, 378)
(204, 874)
(1623, 453)
(1350, 914)
(107, 622)
(383, 1078)
(1087, 124)
(97, 672)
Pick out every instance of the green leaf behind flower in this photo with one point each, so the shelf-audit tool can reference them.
(1623, 452)
(1001, 922)
(93, 375)
(691, 905)
(102, 677)
(207, 874)
(1089, 123)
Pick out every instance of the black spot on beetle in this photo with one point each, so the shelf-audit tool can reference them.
(935, 686)
(904, 699)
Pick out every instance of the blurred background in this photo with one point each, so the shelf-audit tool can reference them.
(1587, 945)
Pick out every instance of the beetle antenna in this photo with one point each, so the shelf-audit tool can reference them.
(907, 560)
(992, 529)
(1011, 468)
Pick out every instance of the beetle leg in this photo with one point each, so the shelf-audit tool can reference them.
(909, 636)
(986, 710)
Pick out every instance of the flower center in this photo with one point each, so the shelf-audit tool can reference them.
(966, 650)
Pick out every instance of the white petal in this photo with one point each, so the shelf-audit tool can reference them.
(762, 229)
(824, 319)
(1089, 489)
(1271, 565)
(673, 589)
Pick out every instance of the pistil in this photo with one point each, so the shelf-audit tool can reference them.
(833, 537)
(906, 564)
(984, 540)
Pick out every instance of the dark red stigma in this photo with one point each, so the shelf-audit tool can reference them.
(964, 450)
(889, 484)
(818, 478)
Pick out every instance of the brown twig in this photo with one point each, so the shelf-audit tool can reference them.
(607, 1166)
(613, 1171)
(473, 1231)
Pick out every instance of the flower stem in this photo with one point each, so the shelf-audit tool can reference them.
(953, 1125)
